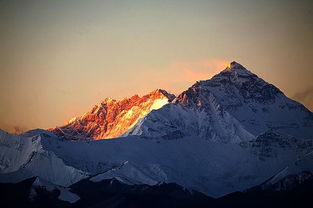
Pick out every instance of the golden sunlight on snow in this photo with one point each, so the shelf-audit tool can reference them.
(158, 103)
(112, 118)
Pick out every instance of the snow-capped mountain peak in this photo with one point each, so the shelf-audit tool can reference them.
(234, 102)
(225, 134)
(235, 69)
(235, 65)
(111, 118)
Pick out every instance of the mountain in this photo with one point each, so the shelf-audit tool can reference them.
(219, 137)
(235, 105)
(111, 118)
(234, 102)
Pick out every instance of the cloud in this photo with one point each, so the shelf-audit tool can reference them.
(179, 75)
(13, 129)
(18, 130)
(305, 97)
(197, 70)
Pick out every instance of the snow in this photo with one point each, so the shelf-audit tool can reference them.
(15, 151)
(65, 194)
(303, 163)
(174, 120)
(234, 105)
(258, 105)
(222, 135)
(68, 196)
(158, 103)
(111, 118)
(24, 157)
(126, 173)
(213, 168)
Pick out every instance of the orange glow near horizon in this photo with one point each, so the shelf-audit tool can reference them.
(199, 70)
(175, 78)
(58, 59)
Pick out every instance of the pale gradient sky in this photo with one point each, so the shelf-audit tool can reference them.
(59, 58)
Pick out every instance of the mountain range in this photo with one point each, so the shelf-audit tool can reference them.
(232, 133)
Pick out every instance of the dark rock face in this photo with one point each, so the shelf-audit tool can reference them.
(291, 191)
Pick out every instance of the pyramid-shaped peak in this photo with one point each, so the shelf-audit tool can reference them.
(235, 65)
(235, 69)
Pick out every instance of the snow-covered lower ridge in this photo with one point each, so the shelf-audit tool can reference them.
(64, 195)
(16, 151)
(128, 174)
(211, 167)
(23, 157)
(290, 175)
(271, 143)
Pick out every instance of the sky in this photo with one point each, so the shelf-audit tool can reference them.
(59, 58)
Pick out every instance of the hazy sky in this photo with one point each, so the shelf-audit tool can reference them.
(59, 58)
